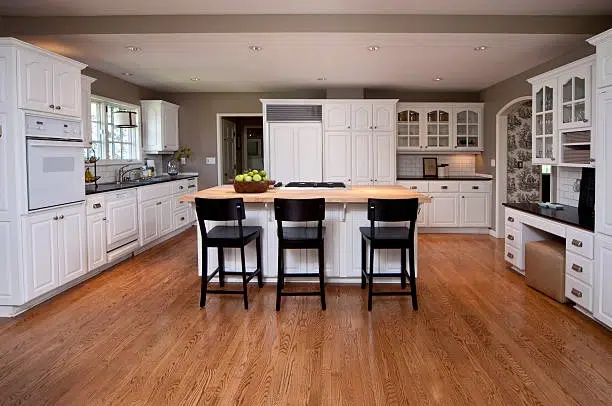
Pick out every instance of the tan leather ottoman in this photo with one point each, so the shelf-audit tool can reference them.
(545, 268)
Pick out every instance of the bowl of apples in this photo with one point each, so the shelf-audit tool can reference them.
(252, 181)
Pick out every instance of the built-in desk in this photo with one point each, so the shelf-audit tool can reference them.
(525, 222)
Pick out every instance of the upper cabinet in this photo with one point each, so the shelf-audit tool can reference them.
(358, 115)
(337, 116)
(544, 125)
(160, 126)
(603, 42)
(575, 98)
(86, 82)
(440, 127)
(49, 84)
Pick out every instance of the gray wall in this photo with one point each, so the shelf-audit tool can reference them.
(422, 96)
(118, 89)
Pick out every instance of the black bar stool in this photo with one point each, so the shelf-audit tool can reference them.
(299, 210)
(226, 237)
(402, 238)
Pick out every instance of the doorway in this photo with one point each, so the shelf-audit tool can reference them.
(239, 144)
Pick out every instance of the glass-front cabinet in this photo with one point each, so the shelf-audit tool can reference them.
(544, 124)
(438, 128)
(409, 128)
(468, 128)
(575, 98)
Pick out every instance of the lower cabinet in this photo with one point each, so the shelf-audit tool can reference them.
(602, 281)
(54, 249)
(96, 241)
(156, 219)
(475, 210)
(444, 210)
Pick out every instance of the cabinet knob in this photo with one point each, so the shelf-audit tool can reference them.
(510, 237)
(586, 120)
(97, 205)
(348, 126)
(444, 187)
(181, 187)
(552, 158)
(576, 268)
(90, 142)
(58, 107)
(165, 146)
(577, 243)
(511, 219)
(475, 187)
(370, 127)
(421, 146)
(576, 292)
(349, 180)
(375, 127)
(158, 203)
(51, 106)
(463, 197)
(182, 218)
(592, 160)
(54, 217)
(61, 217)
(510, 255)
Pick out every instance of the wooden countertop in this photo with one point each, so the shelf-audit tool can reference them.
(353, 194)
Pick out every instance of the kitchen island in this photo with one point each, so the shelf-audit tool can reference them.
(346, 211)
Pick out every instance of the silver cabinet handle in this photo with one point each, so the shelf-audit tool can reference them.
(97, 205)
(510, 237)
(576, 292)
(443, 187)
(577, 243)
(475, 187)
(511, 219)
(61, 217)
(510, 255)
(51, 106)
(58, 107)
(158, 203)
(586, 120)
(552, 158)
(576, 268)
(413, 187)
(55, 217)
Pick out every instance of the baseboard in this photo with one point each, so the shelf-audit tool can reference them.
(453, 230)
(161, 240)
(493, 233)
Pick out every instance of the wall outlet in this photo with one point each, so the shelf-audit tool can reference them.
(492, 163)
(211, 160)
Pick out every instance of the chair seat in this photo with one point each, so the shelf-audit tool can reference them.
(230, 236)
(300, 233)
(387, 234)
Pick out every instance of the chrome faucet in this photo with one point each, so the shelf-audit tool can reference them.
(121, 172)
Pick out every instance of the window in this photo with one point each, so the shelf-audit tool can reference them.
(110, 142)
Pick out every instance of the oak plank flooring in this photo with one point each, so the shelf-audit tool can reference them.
(135, 335)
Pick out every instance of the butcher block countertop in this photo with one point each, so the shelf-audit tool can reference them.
(353, 194)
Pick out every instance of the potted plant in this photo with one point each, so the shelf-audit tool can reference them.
(182, 155)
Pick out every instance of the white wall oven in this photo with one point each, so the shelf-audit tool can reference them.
(55, 163)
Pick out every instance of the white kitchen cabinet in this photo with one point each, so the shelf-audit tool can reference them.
(602, 280)
(96, 241)
(49, 84)
(423, 216)
(337, 116)
(71, 243)
(160, 126)
(337, 161)
(438, 127)
(296, 152)
(383, 116)
(603, 42)
(86, 82)
(6, 164)
(361, 158)
(468, 128)
(149, 222)
(361, 116)
(475, 210)
(444, 210)
(166, 217)
(603, 195)
(122, 216)
(575, 97)
(383, 158)
(410, 127)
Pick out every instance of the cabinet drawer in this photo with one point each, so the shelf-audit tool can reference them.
(443, 187)
(579, 242)
(121, 195)
(415, 185)
(177, 205)
(512, 218)
(513, 256)
(579, 292)
(96, 204)
(179, 186)
(181, 219)
(475, 186)
(514, 237)
(579, 267)
(155, 191)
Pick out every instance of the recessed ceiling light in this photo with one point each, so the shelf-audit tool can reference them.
(195, 79)
(127, 74)
(373, 48)
(322, 78)
(132, 48)
(438, 79)
(481, 48)
(255, 48)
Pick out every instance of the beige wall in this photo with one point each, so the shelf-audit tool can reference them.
(422, 96)
(118, 89)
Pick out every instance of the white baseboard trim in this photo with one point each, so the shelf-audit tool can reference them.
(453, 230)
(493, 233)
(163, 239)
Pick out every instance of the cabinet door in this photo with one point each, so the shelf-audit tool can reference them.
(7, 179)
(282, 152)
(67, 90)
(337, 116)
(308, 153)
(170, 130)
(602, 280)
(603, 202)
(151, 123)
(361, 157)
(475, 210)
(438, 126)
(337, 162)
(149, 229)
(444, 210)
(384, 158)
(96, 241)
(384, 116)
(409, 129)
(361, 116)
(575, 98)
(423, 217)
(40, 254)
(544, 123)
(71, 244)
(122, 220)
(86, 110)
(166, 216)
(468, 128)
(35, 76)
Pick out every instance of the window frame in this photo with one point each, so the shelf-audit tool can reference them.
(138, 137)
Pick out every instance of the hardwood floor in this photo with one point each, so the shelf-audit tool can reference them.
(135, 335)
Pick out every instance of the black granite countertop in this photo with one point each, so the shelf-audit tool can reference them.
(458, 177)
(568, 215)
(110, 187)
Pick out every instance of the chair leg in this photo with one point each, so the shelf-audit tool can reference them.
(371, 277)
(259, 267)
(204, 276)
(221, 260)
(363, 262)
(244, 278)
(413, 288)
(279, 279)
(322, 275)
(403, 270)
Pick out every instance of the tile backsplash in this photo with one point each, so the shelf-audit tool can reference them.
(412, 165)
(108, 171)
(568, 184)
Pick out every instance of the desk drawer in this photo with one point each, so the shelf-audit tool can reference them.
(512, 218)
(96, 204)
(415, 185)
(443, 186)
(468, 186)
(579, 267)
(181, 219)
(579, 292)
(579, 242)
(514, 237)
(513, 256)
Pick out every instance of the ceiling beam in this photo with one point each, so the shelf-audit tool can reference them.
(164, 24)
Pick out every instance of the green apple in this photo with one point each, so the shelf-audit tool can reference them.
(248, 178)
(257, 178)
(239, 178)
(264, 178)
(262, 173)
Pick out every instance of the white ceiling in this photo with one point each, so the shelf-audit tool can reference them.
(224, 62)
(151, 7)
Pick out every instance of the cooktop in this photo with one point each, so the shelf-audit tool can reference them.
(327, 185)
